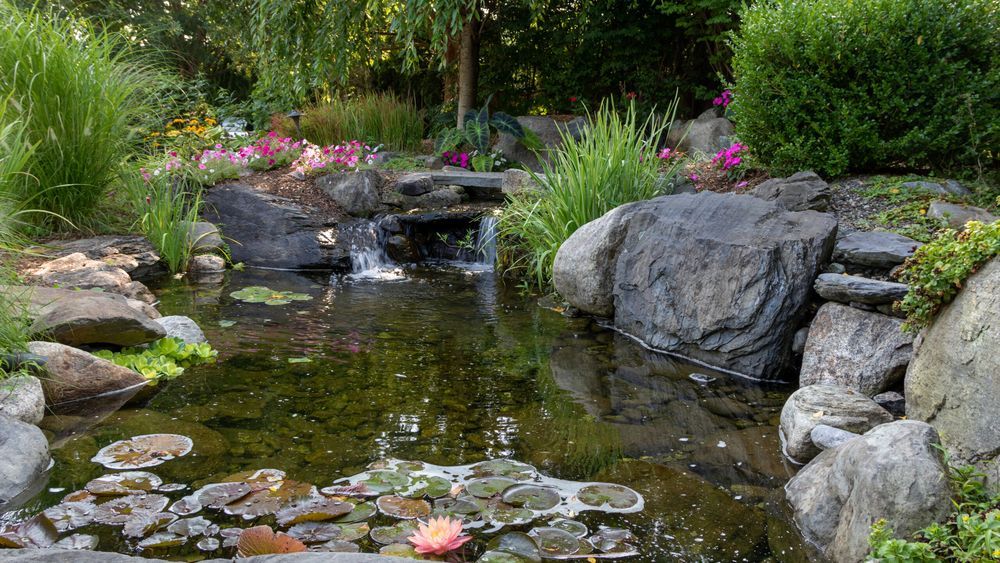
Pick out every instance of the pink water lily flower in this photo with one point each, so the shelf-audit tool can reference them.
(438, 536)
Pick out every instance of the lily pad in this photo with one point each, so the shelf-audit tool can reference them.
(269, 500)
(613, 540)
(257, 478)
(532, 496)
(353, 532)
(404, 508)
(502, 557)
(162, 540)
(142, 524)
(118, 511)
(312, 509)
(456, 507)
(518, 544)
(487, 487)
(267, 296)
(171, 487)
(403, 550)
(504, 468)
(397, 533)
(601, 495)
(80, 496)
(190, 527)
(356, 490)
(553, 542)
(77, 541)
(143, 451)
(384, 481)
(360, 513)
(125, 483)
(37, 531)
(338, 546)
(502, 514)
(208, 544)
(218, 495)
(426, 486)
(314, 532)
(68, 516)
(578, 529)
(186, 506)
(261, 540)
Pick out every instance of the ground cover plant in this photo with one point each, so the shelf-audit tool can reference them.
(615, 163)
(835, 86)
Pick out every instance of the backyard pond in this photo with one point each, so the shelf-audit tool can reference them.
(446, 366)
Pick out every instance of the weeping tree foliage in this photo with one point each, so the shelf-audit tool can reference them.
(308, 48)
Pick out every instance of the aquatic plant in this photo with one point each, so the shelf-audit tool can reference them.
(439, 536)
(143, 451)
(165, 358)
(268, 296)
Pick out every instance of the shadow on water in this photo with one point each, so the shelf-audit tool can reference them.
(451, 367)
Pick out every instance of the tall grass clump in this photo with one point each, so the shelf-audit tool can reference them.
(372, 118)
(169, 207)
(614, 162)
(79, 93)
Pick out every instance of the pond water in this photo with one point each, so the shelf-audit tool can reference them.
(450, 367)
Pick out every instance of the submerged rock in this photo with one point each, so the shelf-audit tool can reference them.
(72, 374)
(862, 350)
(953, 381)
(671, 261)
(893, 471)
(22, 398)
(830, 405)
(25, 457)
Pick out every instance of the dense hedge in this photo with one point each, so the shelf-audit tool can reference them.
(838, 85)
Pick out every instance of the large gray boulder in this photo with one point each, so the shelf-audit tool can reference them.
(957, 215)
(549, 131)
(73, 375)
(271, 231)
(36, 298)
(856, 289)
(893, 472)
(830, 405)
(205, 237)
(874, 249)
(77, 271)
(89, 317)
(22, 398)
(706, 135)
(799, 192)
(357, 192)
(25, 457)
(862, 350)
(953, 381)
(179, 326)
(721, 278)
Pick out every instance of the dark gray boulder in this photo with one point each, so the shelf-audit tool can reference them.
(832, 405)
(856, 289)
(25, 457)
(799, 192)
(894, 471)
(357, 192)
(953, 381)
(721, 278)
(271, 231)
(414, 184)
(874, 249)
(862, 350)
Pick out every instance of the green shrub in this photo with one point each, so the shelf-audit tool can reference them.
(80, 95)
(614, 163)
(834, 85)
(165, 358)
(370, 118)
(971, 533)
(937, 270)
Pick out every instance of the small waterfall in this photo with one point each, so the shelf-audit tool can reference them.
(486, 241)
(366, 241)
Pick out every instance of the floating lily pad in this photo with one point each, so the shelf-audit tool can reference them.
(37, 531)
(532, 496)
(403, 550)
(553, 542)
(353, 532)
(118, 511)
(338, 546)
(218, 495)
(456, 507)
(355, 490)
(501, 514)
(224, 323)
(501, 557)
(601, 495)
(261, 540)
(578, 529)
(314, 532)
(162, 540)
(68, 516)
(613, 540)
(518, 544)
(384, 481)
(488, 486)
(190, 527)
(125, 483)
(143, 451)
(267, 296)
(142, 524)
(397, 533)
(258, 477)
(80, 496)
(504, 468)
(312, 509)
(426, 486)
(360, 513)
(186, 506)
(208, 544)
(77, 541)
(405, 508)
(269, 500)
(303, 360)
(171, 487)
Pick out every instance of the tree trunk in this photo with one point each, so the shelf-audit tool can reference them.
(468, 69)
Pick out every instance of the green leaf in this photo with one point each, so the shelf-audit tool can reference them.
(302, 360)
(505, 123)
(477, 133)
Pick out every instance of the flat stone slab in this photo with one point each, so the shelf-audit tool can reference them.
(856, 289)
(876, 249)
(468, 179)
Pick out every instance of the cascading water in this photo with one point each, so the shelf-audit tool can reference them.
(486, 241)
(368, 258)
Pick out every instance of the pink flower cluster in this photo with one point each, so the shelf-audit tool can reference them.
(455, 158)
(729, 158)
(347, 155)
(723, 99)
(666, 154)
